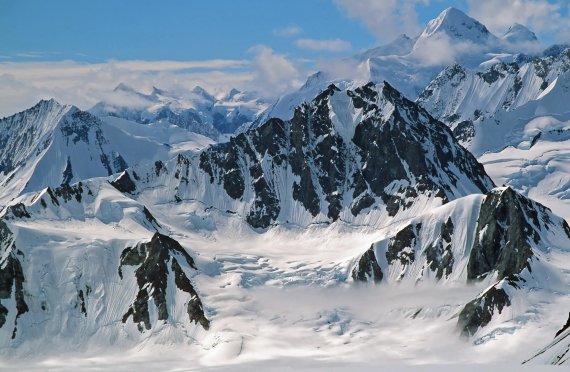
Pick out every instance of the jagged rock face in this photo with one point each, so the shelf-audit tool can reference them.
(367, 268)
(564, 327)
(496, 237)
(61, 287)
(27, 132)
(50, 145)
(346, 150)
(82, 126)
(479, 312)
(440, 254)
(507, 226)
(124, 183)
(401, 247)
(11, 278)
(156, 261)
(459, 94)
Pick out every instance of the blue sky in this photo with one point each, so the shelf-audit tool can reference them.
(77, 51)
(100, 30)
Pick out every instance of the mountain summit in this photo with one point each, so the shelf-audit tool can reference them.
(518, 33)
(459, 27)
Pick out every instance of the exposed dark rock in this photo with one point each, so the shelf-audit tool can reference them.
(11, 278)
(67, 173)
(328, 166)
(19, 211)
(402, 246)
(439, 254)
(364, 202)
(479, 312)
(498, 71)
(564, 328)
(506, 225)
(535, 139)
(3, 314)
(78, 125)
(68, 192)
(464, 131)
(81, 298)
(367, 268)
(159, 166)
(194, 308)
(124, 183)
(150, 218)
(152, 259)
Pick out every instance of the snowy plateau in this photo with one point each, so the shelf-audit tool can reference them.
(413, 215)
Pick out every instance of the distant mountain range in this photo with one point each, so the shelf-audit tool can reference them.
(199, 112)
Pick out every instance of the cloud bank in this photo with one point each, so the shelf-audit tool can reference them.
(83, 84)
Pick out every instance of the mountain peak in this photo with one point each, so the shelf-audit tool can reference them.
(518, 33)
(48, 102)
(203, 93)
(232, 94)
(157, 91)
(122, 87)
(457, 25)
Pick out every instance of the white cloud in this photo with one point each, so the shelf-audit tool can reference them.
(332, 45)
(84, 84)
(440, 49)
(386, 19)
(287, 31)
(273, 73)
(539, 15)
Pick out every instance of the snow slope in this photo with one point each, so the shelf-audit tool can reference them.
(461, 94)
(528, 148)
(79, 266)
(244, 252)
(556, 352)
(51, 144)
(501, 240)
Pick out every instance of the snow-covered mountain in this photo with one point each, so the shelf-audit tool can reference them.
(197, 111)
(456, 25)
(410, 63)
(52, 144)
(112, 273)
(345, 222)
(461, 94)
(501, 238)
(175, 251)
(361, 156)
(528, 148)
(518, 33)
